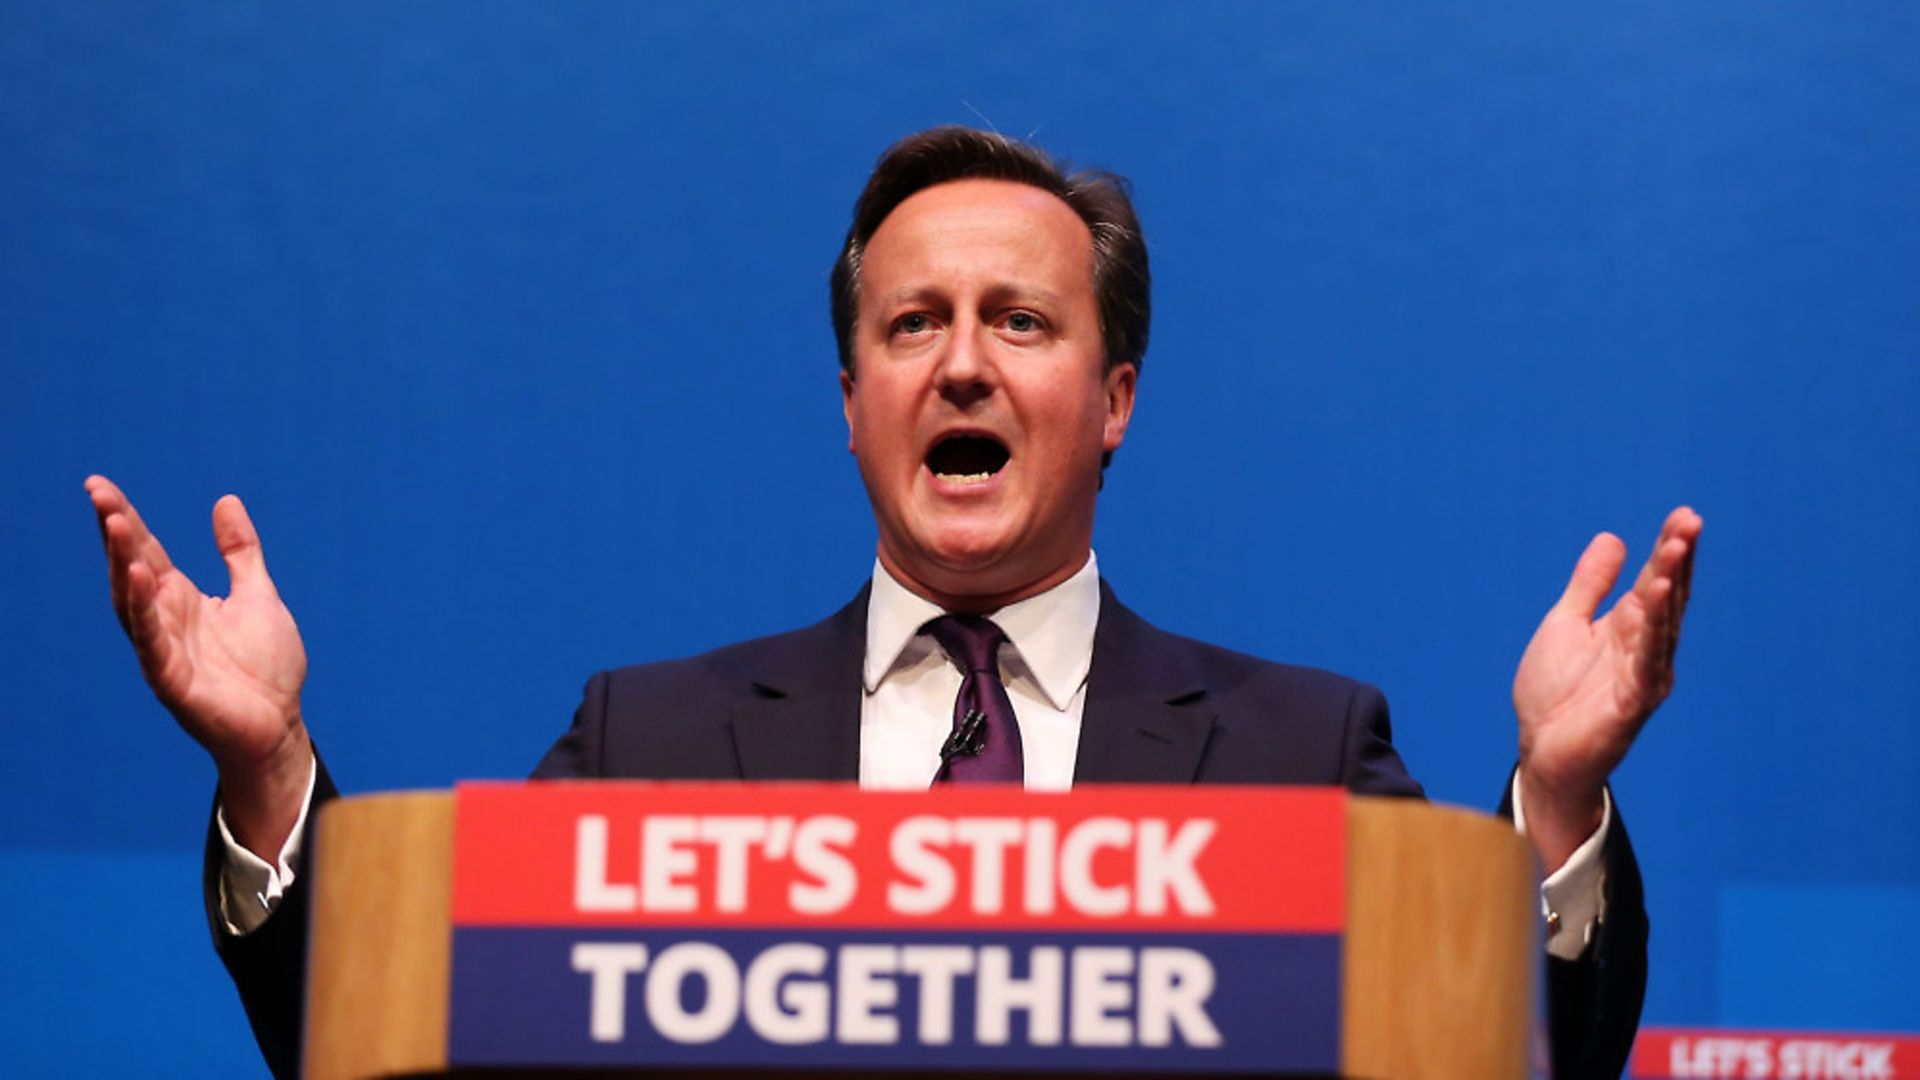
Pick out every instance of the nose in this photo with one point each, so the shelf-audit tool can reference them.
(967, 373)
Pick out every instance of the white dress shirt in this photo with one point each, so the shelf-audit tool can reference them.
(906, 713)
(907, 710)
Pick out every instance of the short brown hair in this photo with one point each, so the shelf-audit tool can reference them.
(1121, 283)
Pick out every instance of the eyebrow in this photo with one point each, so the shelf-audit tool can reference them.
(999, 292)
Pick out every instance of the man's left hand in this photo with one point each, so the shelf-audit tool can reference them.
(1586, 686)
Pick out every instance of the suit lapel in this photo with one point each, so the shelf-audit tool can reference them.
(1146, 720)
(800, 719)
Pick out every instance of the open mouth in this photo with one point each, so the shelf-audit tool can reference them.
(967, 459)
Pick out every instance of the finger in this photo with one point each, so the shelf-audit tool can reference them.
(116, 534)
(129, 545)
(109, 500)
(1689, 530)
(1682, 593)
(1654, 662)
(1593, 576)
(107, 504)
(1663, 565)
(1656, 566)
(146, 627)
(1652, 597)
(102, 495)
(1660, 593)
(1682, 524)
(239, 544)
(1671, 562)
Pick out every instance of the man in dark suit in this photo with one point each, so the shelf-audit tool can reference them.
(992, 318)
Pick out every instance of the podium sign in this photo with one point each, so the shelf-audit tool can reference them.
(819, 926)
(1668, 1053)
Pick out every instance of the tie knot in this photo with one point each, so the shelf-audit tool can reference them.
(970, 640)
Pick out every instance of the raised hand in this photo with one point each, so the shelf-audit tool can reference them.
(1586, 686)
(229, 670)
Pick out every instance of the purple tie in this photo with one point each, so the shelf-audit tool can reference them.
(985, 745)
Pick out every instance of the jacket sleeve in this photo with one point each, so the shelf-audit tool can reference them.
(269, 965)
(1593, 1003)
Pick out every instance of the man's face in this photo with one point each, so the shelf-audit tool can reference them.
(979, 407)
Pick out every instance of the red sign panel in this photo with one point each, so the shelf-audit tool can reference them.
(822, 855)
(1674, 1053)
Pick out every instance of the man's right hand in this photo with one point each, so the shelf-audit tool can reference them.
(229, 670)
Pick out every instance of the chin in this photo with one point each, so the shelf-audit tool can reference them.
(970, 555)
(957, 562)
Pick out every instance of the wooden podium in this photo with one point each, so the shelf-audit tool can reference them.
(1441, 957)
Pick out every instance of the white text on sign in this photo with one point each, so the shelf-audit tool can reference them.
(1084, 995)
(1099, 867)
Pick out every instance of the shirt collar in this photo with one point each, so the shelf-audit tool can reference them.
(1052, 632)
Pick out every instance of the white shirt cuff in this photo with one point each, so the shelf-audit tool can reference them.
(250, 888)
(1573, 898)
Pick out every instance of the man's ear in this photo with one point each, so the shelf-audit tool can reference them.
(1121, 379)
(846, 404)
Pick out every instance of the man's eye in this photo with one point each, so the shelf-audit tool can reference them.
(1023, 322)
(916, 323)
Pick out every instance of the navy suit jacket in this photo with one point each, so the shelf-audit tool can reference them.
(1160, 709)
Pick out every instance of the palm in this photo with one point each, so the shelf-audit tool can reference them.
(1586, 686)
(1580, 694)
(229, 669)
(232, 667)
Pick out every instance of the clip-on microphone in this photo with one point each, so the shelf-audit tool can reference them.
(968, 739)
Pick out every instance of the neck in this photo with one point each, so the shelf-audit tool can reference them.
(978, 602)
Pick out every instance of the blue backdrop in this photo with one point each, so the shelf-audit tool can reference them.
(509, 321)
